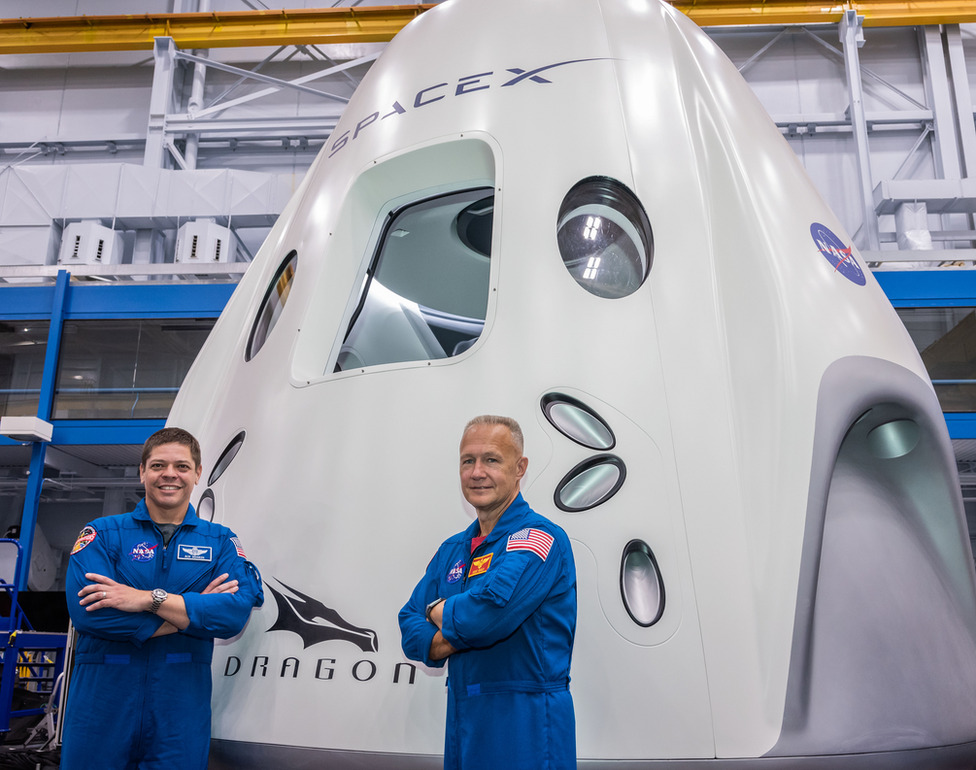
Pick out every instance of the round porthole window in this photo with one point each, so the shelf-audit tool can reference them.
(577, 421)
(605, 238)
(207, 505)
(274, 301)
(226, 457)
(641, 587)
(590, 483)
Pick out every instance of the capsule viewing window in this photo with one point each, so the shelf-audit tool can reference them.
(577, 421)
(604, 238)
(274, 301)
(641, 587)
(226, 457)
(425, 296)
(592, 482)
(894, 439)
(207, 505)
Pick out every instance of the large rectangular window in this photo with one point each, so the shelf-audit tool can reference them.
(425, 296)
(946, 339)
(22, 348)
(124, 369)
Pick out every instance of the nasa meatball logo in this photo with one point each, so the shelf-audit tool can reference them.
(457, 572)
(837, 254)
(143, 552)
(316, 623)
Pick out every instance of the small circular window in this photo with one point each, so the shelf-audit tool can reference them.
(274, 301)
(605, 238)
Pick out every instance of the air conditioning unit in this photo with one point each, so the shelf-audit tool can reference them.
(205, 242)
(89, 243)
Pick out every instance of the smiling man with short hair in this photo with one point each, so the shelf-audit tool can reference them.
(148, 592)
(499, 602)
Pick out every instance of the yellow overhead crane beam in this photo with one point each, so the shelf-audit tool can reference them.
(224, 29)
(324, 26)
(876, 13)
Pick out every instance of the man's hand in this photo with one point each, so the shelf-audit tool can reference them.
(440, 648)
(218, 586)
(104, 592)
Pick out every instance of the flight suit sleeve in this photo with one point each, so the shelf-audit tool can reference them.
(221, 616)
(416, 632)
(94, 551)
(499, 604)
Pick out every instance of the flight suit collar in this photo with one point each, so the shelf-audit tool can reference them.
(510, 521)
(141, 513)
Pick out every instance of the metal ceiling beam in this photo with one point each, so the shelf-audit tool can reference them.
(324, 26)
(230, 29)
(876, 13)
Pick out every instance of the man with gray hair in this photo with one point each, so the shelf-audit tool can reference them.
(499, 602)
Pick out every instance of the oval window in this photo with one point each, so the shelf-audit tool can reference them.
(274, 301)
(226, 457)
(577, 421)
(641, 587)
(605, 238)
(590, 483)
(894, 439)
(207, 505)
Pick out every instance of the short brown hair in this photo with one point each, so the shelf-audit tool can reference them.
(493, 419)
(172, 436)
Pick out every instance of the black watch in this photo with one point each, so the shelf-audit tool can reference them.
(158, 597)
(430, 607)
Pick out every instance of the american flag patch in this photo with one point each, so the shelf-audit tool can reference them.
(535, 540)
(239, 547)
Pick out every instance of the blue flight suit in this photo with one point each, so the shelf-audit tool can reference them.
(513, 623)
(135, 701)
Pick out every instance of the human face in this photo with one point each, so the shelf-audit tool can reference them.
(491, 469)
(169, 476)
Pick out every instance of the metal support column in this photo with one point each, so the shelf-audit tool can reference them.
(45, 404)
(964, 101)
(852, 38)
(196, 95)
(939, 100)
(160, 103)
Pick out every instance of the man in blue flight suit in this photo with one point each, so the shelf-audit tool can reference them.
(499, 601)
(148, 591)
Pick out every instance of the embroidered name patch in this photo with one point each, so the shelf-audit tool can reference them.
(536, 540)
(195, 553)
(480, 565)
(457, 572)
(84, 538)
(239, 547)
(143, 552)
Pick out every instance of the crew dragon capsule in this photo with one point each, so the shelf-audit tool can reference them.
(576, 213)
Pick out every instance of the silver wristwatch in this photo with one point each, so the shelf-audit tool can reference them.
(430, 607)
(158, 596)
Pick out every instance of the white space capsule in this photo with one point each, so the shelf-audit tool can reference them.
(576, 213)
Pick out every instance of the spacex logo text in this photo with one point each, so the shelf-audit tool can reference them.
(465, 85)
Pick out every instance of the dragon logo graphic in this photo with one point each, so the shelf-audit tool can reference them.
(314, 622)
